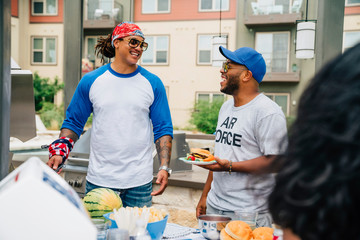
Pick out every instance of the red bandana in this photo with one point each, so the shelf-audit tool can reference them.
(125, 29)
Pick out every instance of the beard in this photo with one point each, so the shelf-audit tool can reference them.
(232, 85)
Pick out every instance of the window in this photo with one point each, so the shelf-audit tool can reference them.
(274, 46)
(204, 49)
(204, 54)
(44, 7)
(352, 2)
(167, 92)
(282, 99)
(350, 39)
(43, 50)
(89, 52)
(155, 6)
(210, 97)
(213, 5)
(157, 52)
(103, 9)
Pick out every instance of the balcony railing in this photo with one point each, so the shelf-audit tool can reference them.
(278, 70)
(272, 11)
(102, 13)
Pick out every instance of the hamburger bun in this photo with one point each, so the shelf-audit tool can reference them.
(263, 233)
(200, 153)
(225, 236)
(239, 230)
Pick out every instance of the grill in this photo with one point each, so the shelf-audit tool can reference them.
(76, 167)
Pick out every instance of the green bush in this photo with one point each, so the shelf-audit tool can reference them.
(289, 121)
(51, 115)
(44, 93)
(205, 116)
(45, 90)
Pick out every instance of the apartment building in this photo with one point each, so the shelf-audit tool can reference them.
(351, 23)
(180, 34)
(185, 29)
(37, 37)
(100, 18)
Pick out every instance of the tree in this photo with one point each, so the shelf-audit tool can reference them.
(205, 116)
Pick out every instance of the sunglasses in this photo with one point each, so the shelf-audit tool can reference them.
(226, 66)
(134, 43)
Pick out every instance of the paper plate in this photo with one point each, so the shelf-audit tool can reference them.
(196, 162)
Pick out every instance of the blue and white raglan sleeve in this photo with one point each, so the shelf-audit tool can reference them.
(80, 106)
(160, 111)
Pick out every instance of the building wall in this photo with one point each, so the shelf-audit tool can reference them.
(15, 39)
(245, 37)
(184, 10)
(183, 76)
(24, 27)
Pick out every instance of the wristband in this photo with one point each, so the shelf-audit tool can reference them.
(230, 167)
(61, 147)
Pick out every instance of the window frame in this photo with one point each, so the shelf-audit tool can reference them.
(85, 52)
(43, 51)
(211, 95)
(167, 91)
(288, 48)
(156, 7)
(154, 63)
(213, 7)
(211, 48)
(344, 36)
(44, 14)
(351, 4)
(273, 94)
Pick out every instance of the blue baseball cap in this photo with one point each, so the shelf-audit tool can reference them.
(248, 57)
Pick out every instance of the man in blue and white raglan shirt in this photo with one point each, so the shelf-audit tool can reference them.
(249, 134)
(130, 109)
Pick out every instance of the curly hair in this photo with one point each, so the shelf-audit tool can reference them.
(317, 191)
(104, 48)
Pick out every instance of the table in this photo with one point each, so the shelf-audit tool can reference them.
(175, 231)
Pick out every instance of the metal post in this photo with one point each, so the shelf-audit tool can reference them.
(5, 86)
(73, 37)
(329, 31)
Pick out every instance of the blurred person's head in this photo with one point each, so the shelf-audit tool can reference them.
(317, 191)
(126, 40)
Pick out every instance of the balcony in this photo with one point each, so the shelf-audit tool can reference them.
(278, 68)
(269, 12)
(282, 77)
(101, 14)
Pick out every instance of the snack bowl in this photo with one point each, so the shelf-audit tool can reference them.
(155, 229)
(210, 225)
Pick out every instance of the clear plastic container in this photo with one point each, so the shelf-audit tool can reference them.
(141, 233)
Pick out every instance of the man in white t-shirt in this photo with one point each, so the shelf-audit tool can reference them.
(249, 134)
(130, 114)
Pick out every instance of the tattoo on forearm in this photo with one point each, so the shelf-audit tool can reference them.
(163, 148)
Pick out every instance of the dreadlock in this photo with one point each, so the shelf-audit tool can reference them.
(104, 48)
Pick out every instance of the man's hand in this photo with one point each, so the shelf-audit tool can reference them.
(55, 161)
(162, 179)
(201, 207)
(220, 165)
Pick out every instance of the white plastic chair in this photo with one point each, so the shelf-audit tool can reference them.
(296, 6)
(98, 13)
(255, 8)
